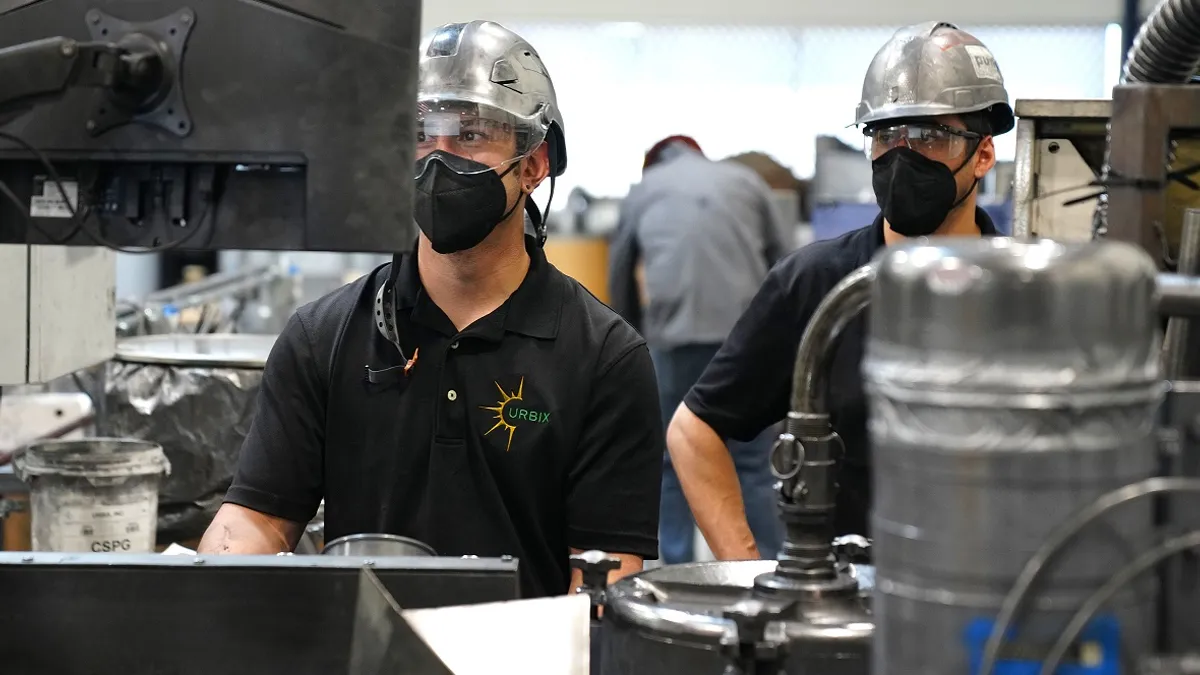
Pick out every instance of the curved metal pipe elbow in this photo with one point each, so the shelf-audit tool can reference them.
(813, 358)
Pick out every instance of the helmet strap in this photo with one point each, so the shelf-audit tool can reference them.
(535, 215)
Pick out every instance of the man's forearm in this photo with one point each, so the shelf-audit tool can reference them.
(237, 530)
(710, 483)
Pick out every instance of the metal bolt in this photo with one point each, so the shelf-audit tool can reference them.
(91, 125)
(186, 18)
(506, 558)
(198, 561)
(67, 49)
(94, 16)
(368, 563)
(27, 558)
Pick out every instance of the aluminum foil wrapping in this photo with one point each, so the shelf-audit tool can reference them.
(200, 416)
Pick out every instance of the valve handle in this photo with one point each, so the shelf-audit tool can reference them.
(787, 457)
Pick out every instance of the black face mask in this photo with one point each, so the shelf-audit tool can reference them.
(914, 192)
(457, 211)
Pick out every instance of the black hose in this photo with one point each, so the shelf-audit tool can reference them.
(1167, 48)
(1165, 51)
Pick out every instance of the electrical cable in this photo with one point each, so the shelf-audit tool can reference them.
(170, 245)
(1124, 576)
(1058, 539)
(80, 216)
(55, 177)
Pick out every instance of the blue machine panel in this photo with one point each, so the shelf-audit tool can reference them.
(1097, 651)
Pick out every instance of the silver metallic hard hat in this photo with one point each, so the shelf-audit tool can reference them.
(933, 69)
(484, 63)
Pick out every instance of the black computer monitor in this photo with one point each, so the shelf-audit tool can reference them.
(208, 124)
(128, 614)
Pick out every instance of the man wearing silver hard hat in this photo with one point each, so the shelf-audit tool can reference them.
(932, 100)
(502, 410)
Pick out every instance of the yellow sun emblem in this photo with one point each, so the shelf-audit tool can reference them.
(505, 399)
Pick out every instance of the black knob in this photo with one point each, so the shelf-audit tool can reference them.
(751, 618)
(853, 548)
(595, 566)
(751, 653)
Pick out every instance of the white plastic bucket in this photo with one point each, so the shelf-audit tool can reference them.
(96, 495)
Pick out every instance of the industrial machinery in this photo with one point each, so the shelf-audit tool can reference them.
(1010, 385)
(806, 612)
(257, 299)
(1060, 154)
(75, 614)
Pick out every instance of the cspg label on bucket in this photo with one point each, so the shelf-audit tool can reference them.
(107, 528)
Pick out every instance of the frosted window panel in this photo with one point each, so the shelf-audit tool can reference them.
(623, 86)
(1062, 62)
(592, 66)
(713, 58)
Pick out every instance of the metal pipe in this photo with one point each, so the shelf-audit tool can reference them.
(831, 317)
(1178, 295)
(215, 287)
(1166, 50)
(1175, 350)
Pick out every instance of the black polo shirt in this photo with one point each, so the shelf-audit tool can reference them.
(533, 431)
(747, 386)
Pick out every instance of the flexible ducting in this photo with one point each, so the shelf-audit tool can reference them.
(1167, 48)
(1165, 51)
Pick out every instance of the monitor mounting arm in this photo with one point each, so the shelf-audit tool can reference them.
(134, 66)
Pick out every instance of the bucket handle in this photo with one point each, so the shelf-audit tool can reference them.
(18, 464)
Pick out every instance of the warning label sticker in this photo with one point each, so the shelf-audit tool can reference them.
(984, 63)
(114, 528)
(47, 200)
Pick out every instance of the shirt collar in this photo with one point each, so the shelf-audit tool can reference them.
(987, 228)
(533, 309)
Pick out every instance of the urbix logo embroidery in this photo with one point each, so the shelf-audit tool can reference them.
(511, 412)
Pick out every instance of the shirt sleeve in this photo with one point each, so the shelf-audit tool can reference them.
(614, 482)
(747, 385)
(280, 470)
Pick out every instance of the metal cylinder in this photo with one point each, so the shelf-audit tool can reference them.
(1176, 357)
(674, 620)
(377, 545)
(1010, 383)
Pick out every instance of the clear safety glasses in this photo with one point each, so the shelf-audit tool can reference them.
(473, 137)
(935, 141)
